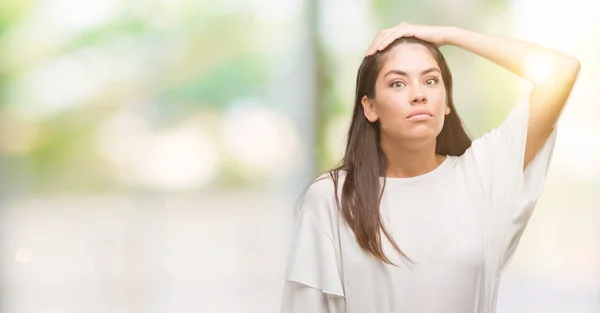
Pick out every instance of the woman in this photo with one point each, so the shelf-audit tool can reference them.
(417, 218)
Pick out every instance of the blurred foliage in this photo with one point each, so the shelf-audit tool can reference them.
(201, 58)
(12, 11)
(240, 76)
(68, 154)
(209, 70)
(388, 13)
(117, 27)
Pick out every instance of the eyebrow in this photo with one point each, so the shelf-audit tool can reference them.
(402, 73)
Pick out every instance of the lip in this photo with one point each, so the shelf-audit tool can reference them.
(419, 114)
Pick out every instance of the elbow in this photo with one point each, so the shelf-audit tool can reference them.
(567, 72)
(562, 77)
(552, 73)
(573, 67)
(576, 63)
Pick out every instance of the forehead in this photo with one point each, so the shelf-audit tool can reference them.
(410, 58)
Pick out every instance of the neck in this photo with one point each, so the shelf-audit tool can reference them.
(406, 161)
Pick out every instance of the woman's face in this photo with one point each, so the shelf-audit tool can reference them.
(410, 97)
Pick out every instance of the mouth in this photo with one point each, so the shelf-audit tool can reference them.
(419, 114)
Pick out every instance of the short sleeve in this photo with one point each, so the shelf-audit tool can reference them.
(299, 298)
(312, 272)
(509, 192)
(312, 259)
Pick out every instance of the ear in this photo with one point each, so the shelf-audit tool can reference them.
(369, 108)
(447, 111)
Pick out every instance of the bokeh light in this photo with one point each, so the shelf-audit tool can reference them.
(261, 141)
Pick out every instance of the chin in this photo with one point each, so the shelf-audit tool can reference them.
(419, 133)
(422, 134)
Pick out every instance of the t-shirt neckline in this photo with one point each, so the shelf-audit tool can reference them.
(436, 171)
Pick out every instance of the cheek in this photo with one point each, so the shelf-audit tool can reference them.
(438, 102)
(392, 105)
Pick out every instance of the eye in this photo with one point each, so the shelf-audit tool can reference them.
(432, 81)
(397, 84)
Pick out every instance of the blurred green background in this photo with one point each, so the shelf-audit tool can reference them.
(151, 152)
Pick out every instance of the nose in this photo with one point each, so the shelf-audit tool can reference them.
(418, 96)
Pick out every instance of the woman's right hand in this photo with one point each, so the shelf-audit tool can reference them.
(434, 34)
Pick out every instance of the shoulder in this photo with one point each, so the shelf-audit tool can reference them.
(319, 201)
(326, 184)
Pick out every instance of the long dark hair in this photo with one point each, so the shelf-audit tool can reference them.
(364, 161)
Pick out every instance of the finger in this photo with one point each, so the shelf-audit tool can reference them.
(388, 39)
(377, 41)
(379, 34)
(387, 36)
(401, 31)
(385, 41)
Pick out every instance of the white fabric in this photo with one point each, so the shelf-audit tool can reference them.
(460, 223)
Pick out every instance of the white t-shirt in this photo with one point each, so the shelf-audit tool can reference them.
(459, 223)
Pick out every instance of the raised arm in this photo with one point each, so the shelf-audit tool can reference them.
(549, 93)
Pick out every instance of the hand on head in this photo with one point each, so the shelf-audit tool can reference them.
(433, 34)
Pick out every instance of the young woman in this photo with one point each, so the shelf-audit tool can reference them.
(417, 218)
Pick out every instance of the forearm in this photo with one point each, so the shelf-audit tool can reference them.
(517, 56)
